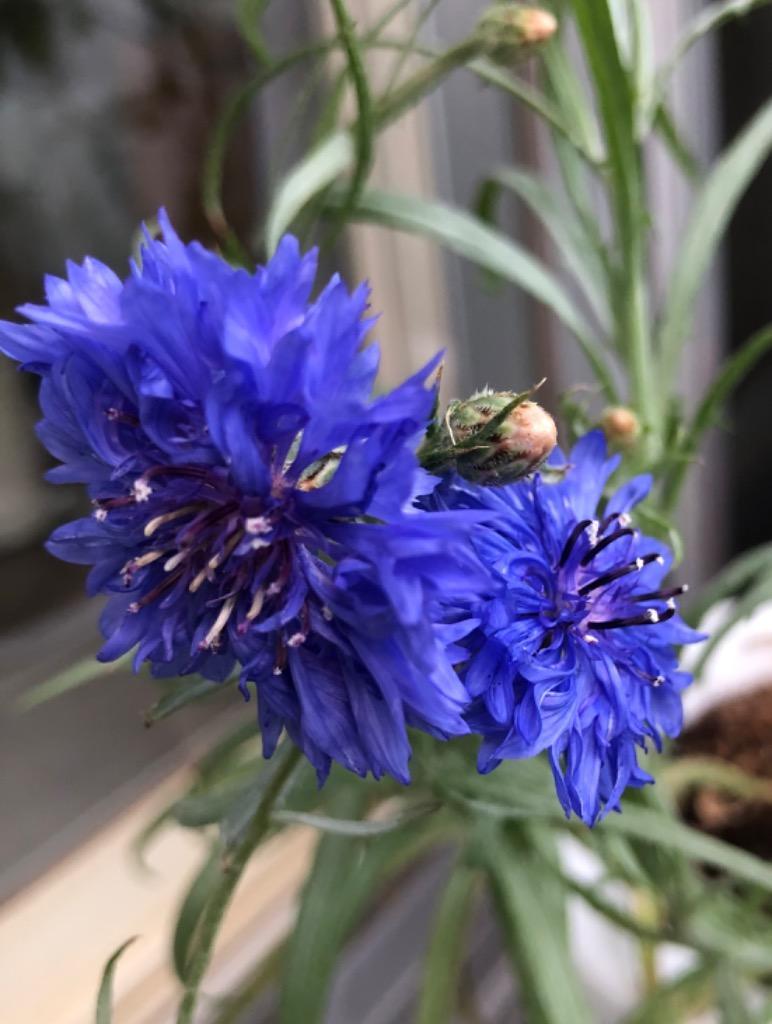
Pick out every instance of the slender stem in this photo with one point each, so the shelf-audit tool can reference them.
(232, 871)
(399, 64)
(364, 129)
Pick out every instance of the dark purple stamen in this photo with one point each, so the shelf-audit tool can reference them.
(602, 544)
(616, 574)
(662, 595)
(573, 537)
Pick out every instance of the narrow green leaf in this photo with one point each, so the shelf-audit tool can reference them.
(732, 373)
(685, 773)
(248, 15)
(713, 208)
(661, 829)
(212, 804)
(104, 1006)
(676, 1000)
(179, 695)
(710, 17)
(679, 148)
(87, 670)
(316, 172)
(240, 1004)
(571, 103)
(229, 748)
(731, 998)
(732, 580)
(204, 885)
(463, 234)
(582, 134)
(335, 155)
(643, 63)
(350, 870)
(741, 609)
(615, 98)
(525, 900)
(196, 957)
(359, 829)
(575, 247)
(444, 958)
(140, 844)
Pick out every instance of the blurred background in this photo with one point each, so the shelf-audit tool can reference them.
(107, 109)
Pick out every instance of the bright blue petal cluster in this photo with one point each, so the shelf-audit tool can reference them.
(252, 501)
(575, 653)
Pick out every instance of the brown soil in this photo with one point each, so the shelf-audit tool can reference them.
(739, 732)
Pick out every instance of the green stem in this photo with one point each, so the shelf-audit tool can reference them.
(364, 128)
(732, 373)
(389, 107)
(642, 377)
(232, 872)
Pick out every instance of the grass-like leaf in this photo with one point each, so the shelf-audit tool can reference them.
(562, 224)
(201, 890)
(87, 670)
(439, 993)
(104, 1006)
(662, 829)
(713, 208)
(534, 928)
(463, 234)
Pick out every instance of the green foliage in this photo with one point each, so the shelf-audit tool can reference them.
(104, 1007)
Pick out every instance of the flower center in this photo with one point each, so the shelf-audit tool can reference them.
(201, 536)
(598, 579)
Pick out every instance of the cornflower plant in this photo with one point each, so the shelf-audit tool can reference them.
(456, 634)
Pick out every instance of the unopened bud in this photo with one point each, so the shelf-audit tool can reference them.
(509, 31)
(621, 426)
(492, 438)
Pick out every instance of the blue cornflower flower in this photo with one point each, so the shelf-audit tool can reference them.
(252, 501)
(575, 652)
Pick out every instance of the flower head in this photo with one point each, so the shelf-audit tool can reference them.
(575, 653)
(251, 500)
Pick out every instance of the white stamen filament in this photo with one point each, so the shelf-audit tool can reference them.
(257, 605)
(217, 560)
(174, 561)
(197, 581)
(168, 517)
(213, 636)
(297, 639)
(147, 559)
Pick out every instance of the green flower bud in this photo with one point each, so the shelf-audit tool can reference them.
(621, 427)
(510, 31)
(492, 438)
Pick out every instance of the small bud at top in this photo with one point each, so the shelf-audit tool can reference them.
(508, 31)
(621, 426)
(492, 438)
